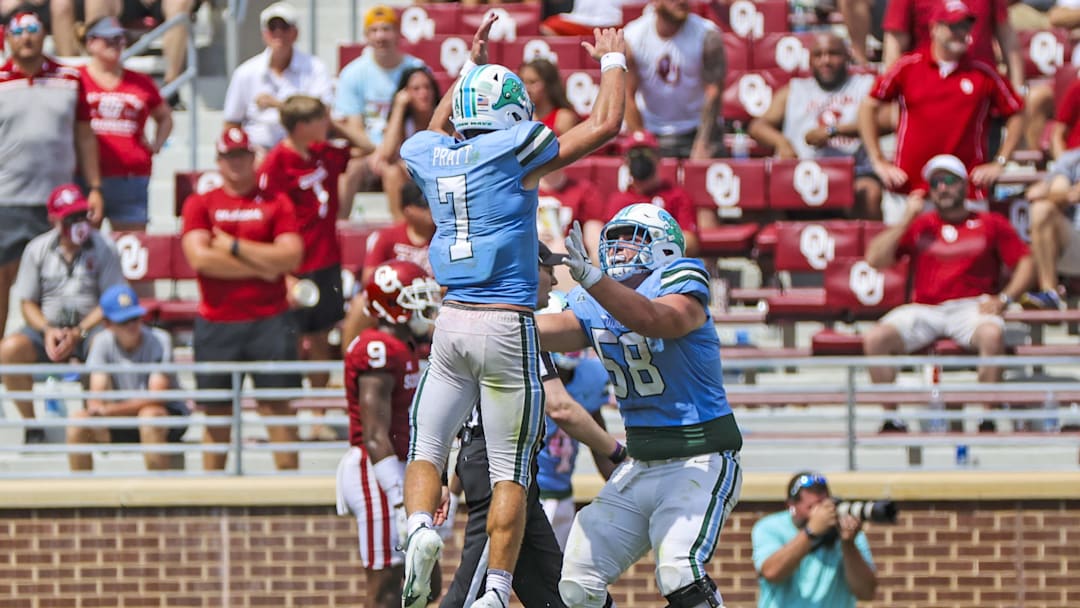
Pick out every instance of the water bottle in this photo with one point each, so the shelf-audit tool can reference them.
(962, 456)
(937, 406)
(1050, 422)
(740, 145)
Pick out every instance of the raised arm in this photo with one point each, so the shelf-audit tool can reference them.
(881, 252)
(440, 120)
(608, 109)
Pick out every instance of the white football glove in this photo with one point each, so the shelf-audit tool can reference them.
(577, 259)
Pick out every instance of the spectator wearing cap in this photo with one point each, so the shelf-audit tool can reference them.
(125, 340)
(808, 556)
(242, 242)
(61, 277)
(120, 102)
(676, 79)
(44, 130)
(946, 98)
(956, 256)
(814, 117)
(642, 152)
(406, 240)
(261, 84)
(365, 95)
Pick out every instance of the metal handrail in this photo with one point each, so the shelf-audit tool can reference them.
(189, 76)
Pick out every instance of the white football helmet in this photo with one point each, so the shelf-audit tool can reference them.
(490, 97)
(640, 238)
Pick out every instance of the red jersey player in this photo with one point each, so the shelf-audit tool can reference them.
(381, 374)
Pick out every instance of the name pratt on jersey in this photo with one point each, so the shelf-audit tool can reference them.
(445, 157)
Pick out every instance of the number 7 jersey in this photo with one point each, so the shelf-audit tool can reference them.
(660, 383)
(485, 244)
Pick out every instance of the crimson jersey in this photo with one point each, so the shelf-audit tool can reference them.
(312, 186)
(375, 351)
(577, 200)
(943, 113)
(961, 260)
(392, 243)
(913, 17)
(256, 217)
(118, 117)
(668, 197)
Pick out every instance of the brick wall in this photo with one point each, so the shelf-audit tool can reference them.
(985, 554)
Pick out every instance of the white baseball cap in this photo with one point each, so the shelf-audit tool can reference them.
(945, 162)
(279, 10)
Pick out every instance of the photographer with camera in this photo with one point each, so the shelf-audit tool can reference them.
(814, 554)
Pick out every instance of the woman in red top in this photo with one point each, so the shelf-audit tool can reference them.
(547, 93)
(120, 102)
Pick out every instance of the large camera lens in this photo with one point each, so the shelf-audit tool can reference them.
(877, 511)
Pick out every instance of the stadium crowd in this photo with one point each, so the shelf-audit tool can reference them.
(907, 140)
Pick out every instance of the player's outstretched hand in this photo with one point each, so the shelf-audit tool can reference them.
(480, 40)
(577, 259)
(608, 40)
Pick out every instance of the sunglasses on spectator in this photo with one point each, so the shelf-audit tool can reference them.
(805, 482)
(961, 27)
(111, 40)
(19, 30)
(948, 179)
(276, 24)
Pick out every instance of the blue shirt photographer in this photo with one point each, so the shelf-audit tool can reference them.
(817, 582)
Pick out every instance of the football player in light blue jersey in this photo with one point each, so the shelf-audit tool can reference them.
(481, 177)
(646, 314)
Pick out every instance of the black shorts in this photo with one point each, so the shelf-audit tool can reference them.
(269, 339)
(20, 225)
(331, 307)
(137, 9)
(130, 434)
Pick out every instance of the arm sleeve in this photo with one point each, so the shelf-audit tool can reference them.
(110, 273)
(534, 145)
(101, 348)
(765, 542)
(1004, 98)
(285, 218)
(194, 214)
(153, 95)
(271, 176)
(82, 105)
(887, 86)
(28, 281)
(686, 276)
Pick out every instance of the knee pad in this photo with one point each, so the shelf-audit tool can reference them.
(698, 594)
(576, 595)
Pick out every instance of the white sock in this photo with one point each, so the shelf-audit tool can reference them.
(500, 582)
(419, 520)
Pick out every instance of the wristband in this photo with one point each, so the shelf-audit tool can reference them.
(388, 474)
(619, 455)
(466, 67)
(235, 249)
(611, 61)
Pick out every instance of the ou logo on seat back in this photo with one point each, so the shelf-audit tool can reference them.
(416, 25)
(1046, 52)
(811, 182)
(867, 284)
(745, 20)
(817, 246)
(723, 185)
(791, 55)
(134, 258)
(538, 49)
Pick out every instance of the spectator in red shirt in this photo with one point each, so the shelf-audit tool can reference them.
(646, 186)
(305, 167)
(956, 259)
(242, 243)
(908, 25)
(120, 101)
(946, 98)
(407, 240)
(382, 371)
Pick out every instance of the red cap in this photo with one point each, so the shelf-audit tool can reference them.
(638, 139)
(233, 139)
(952, 11)
(66, 200)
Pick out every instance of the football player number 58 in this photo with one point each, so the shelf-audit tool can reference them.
(642, 373)
(454, 192)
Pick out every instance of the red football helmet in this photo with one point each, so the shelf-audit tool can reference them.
(401, 292)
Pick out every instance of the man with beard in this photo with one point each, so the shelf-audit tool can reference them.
(642, 152)
(956, 259)
(676, 78)
(816, 118)
(946, 98)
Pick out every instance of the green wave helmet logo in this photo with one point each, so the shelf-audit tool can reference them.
(513, 92)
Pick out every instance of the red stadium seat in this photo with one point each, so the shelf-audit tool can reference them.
(826, 183)
(860, 292)
(1018, 210)
(186, 183)
(755, 19)
(787, 51)
(812, 246)
(581, 88)
(515, 21)
(739, 54)
(748, 94)
(353, 239)
(1044, 51)
(347, 52)
(565, 52)
(446, 53)
(581, 170)
(631, 11)
(181, 270)
(728, 184)
(426, 21)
